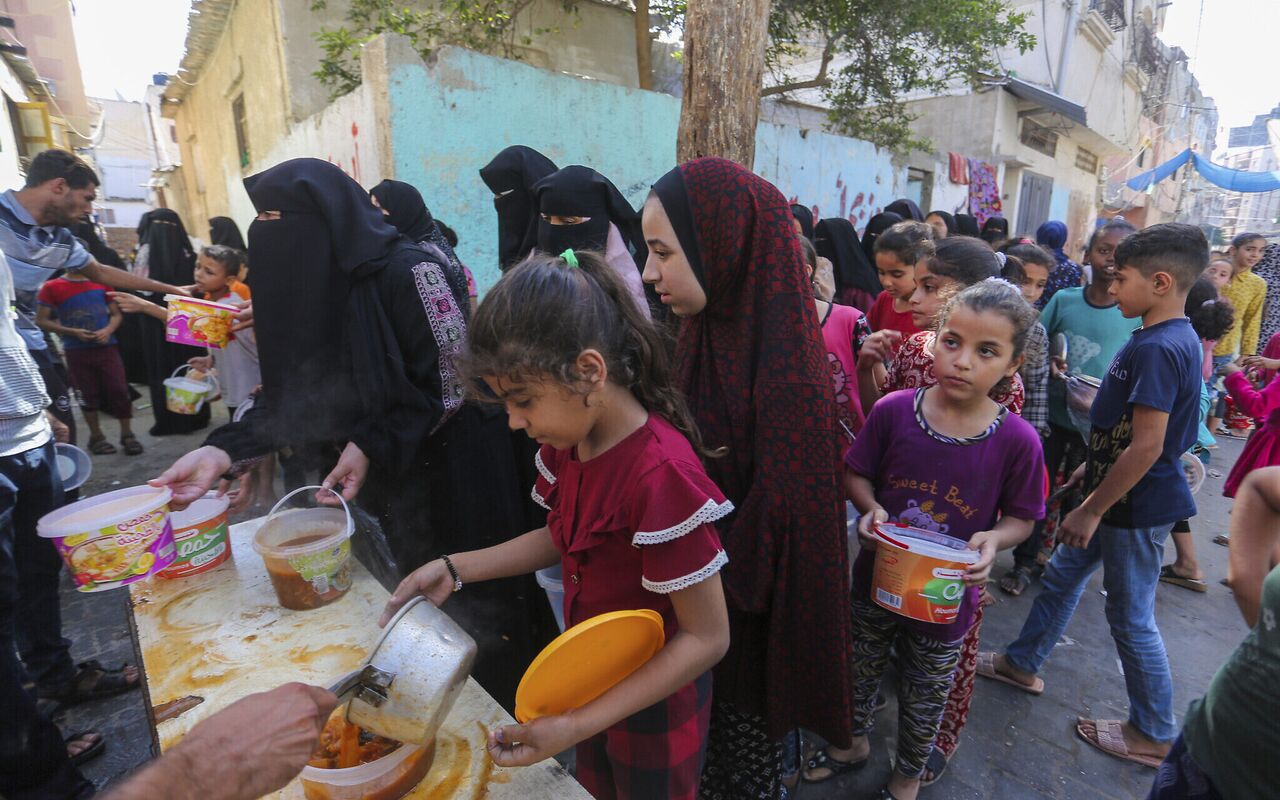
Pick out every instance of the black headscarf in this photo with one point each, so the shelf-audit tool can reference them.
(877, 225)
(836, 240)
(408, 213)
(905, 208)
(967, 225)
(947, 218)
(514, 171)
(170, 257)
(579, 191)
(994, 230)
(225, 231)
(87, 232)
(805, 217)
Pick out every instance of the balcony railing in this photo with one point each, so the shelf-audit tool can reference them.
(1111, 10)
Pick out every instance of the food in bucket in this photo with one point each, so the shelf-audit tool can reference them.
(351, 762)
(920, 574)
(312, 580)
(198, 322)
(307, 551)
(343, 745)
(113, 539)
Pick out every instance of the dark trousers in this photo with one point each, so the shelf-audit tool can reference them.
(1061, 442)
(33, 756)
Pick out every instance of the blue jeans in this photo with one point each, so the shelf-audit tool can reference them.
(1131, 560)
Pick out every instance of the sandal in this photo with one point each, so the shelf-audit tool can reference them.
(132, 447)
(1016, 581)
(92, 751)
(99, 446)
(987, 669)
(1108, 738)
(936, 764)
(91, 682)
(1222, 539)
(1167, 575)
(885, 794)
(822, 760)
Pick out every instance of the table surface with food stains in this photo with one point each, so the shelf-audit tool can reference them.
(210, 639)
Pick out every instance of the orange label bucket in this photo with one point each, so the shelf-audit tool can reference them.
(920, 574)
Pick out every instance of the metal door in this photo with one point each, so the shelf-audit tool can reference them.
(1033, 203)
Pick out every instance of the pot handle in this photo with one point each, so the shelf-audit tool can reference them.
(368, 684)
(346, 686)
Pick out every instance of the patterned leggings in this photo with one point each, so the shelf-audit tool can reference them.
(927, 667)
(956, 713)
(742, 763)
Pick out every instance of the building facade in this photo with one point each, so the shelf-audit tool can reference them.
(1252, 148)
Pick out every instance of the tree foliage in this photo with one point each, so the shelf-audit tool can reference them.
(483, 25)
(876, 54)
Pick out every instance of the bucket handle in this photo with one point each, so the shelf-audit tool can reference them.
(880, 532)
(341, 499)
(209, 378)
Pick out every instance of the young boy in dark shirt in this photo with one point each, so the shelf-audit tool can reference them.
(1144, 418)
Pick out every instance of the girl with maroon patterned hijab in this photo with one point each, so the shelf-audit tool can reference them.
(723, 255)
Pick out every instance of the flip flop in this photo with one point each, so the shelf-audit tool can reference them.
(1109, 739)
(1167, 575)
(92, 751)
(937, 764)
(987, 669)
(1222, 539)
(1020, 574)
(821, 760)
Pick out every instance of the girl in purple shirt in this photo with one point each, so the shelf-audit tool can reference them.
(949, 459)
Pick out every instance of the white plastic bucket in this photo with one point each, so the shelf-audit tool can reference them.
(183, 395)
(550, 579)
(113, 539)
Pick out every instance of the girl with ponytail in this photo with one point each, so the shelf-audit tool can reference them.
(631, 512)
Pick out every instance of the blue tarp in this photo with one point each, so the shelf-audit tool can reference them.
(1232, 179)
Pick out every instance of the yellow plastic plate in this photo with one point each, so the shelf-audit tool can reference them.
(588, 660)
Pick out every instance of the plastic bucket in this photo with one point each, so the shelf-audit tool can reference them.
(201, 323)
(113, 539)
(307, 552)
(183, 395)
(550, 579)
(200, 536)
(74, 465)
(920, 574)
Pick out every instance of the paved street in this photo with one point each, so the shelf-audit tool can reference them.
(1015, 746)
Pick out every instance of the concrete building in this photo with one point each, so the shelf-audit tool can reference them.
(125, 156)
(44, 28)
(247, 81)
(1252, 148)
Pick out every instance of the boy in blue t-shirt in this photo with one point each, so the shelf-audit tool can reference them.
(1144, 418)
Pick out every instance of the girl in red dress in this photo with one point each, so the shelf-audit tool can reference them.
(582, 371)
(723, 257)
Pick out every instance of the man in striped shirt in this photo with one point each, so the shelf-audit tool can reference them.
(59, 191)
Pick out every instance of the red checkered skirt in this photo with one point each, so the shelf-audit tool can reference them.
(654, 754)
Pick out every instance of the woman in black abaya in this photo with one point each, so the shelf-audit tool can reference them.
(358, 330)
(165, 254)
(511, 176)
(856, 281)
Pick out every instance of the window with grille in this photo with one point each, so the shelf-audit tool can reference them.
(1039, 138)
(1086, 161)
(242, 130)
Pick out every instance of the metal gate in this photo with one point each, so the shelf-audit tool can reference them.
(1033, 203)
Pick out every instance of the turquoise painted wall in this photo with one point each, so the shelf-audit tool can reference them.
(1059, 203)
(450, 116)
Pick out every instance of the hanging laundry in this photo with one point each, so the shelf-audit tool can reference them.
(959, 168)
(984, 191)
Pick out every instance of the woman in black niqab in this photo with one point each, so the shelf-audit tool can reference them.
(804, 216)
(511, 176)
(967, 225)
(877, 225)
(165, 254)
(856, 281)
(906, 208)
(359, 330)
(607, 223)
(225, 231)
(402, 205)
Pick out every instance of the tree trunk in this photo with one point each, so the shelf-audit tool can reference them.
(644, 45)
(724, 45)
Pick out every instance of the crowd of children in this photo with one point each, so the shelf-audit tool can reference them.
(934, 379)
